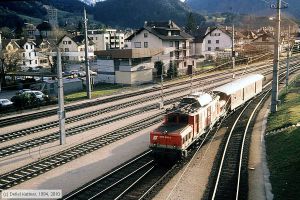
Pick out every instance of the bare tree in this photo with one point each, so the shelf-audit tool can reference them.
(10, 62)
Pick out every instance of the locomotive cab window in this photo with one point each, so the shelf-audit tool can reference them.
(183, 119)
(172, 119)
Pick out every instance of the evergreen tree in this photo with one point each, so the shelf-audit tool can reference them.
(172, 71)
(19, 30)
(191, 24)
(80, 27)
(159, 67)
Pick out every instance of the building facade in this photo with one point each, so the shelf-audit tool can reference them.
(107, 39)
(167, 36)
(125, 66)
(73, 48)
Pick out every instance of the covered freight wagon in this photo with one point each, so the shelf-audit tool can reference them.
(237, 92)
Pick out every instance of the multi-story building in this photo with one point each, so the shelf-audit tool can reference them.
(167, 36)
(125, 66)
(107, 39)
(73, 48)
(52, 16)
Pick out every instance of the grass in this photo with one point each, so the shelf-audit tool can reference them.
(98, 91)
(283, 155)
(288, 112)
(283, 148)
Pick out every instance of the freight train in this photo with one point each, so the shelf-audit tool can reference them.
(198, 112)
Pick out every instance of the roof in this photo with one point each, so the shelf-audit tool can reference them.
(232, 87)
(265, 37)
(129, 53)
(249, 34)
(199, 34)
(78, 39)
(226, 30)
(160, 29)
(202, 98)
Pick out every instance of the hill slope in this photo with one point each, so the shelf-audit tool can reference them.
(133, 13)
(121, 13)
(258, 7)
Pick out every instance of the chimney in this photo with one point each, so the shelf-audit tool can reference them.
(145, 23)
(226, 28)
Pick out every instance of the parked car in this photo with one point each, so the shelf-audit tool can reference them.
(5, 103)
(22, 91)
(37, 94)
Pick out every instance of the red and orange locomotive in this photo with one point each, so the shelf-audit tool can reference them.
(196, 113)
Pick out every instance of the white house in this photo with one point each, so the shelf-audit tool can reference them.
(73, 48)
(29, 55)
(167, 36)
(215, 40)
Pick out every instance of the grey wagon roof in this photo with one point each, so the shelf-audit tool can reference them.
(232, 87)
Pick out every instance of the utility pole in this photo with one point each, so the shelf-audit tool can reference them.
(162, 87)
(288, 59)
(274, 100)
(232, 49)
(61, 109)
(87, 67)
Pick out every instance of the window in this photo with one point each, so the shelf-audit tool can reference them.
(209, 41)
(209, 49)
(31, 46)
(146, 44)
(96, 38)
(23, 54)
(172, 119)
(137, 45)
(65, 42)
(145, 35)
(69, 42)
(35, 61)
(217, 41)
(43, 61)
(26, 46)
(171, 44)
(67, 50)
(23, 62)
(29, 62)
(29, 54)
(217, 48)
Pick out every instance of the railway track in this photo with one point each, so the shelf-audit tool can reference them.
(21, 146)
(145, 185)
(15, 148)
(34, 169)
(31, 170)
(34, 129)
(37, 115)
(229, 177)
(117, 183)
(45, 126)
